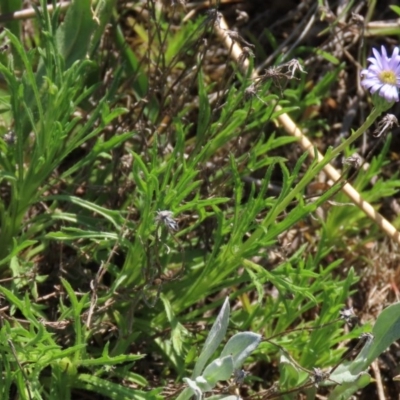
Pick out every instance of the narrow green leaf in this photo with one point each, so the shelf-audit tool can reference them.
(74, 35)
(396, 9)
(328, 56)
(9, 6)
(76, 308)
(113, 390)
(17, 249)
(203, 121)
(178, 331)
(113, 216)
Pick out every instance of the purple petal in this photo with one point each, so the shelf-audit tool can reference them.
(377, 57)
(371, 82)
(375, 69)
(375, 87)
(389, 93)
(373, 60)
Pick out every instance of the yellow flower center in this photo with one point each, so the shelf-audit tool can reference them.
(388, 77)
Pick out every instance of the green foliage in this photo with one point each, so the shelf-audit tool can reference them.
(34, 360)
(138, 192)
(74, 36)
(354, 374)
(9, 6)
(231, 359)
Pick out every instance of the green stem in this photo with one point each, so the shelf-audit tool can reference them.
(375, 113)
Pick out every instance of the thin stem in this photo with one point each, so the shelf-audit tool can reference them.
(375, 113)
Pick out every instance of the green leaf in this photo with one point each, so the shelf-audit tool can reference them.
(240, 346)
(112, 216)
(396, 9)
(113, 390)
(178, 331)
(385, 332)
(108, 116)
(102, 361)
(328, 56)
(77, 307)
(203, 121)
(76, 233)
(290, 375)
(17, 249)
(9, 6)
(74, 35)
(258, 284)
(214, 338)
(346, 390)
(220, 369)
(193, 389)
(12, 298)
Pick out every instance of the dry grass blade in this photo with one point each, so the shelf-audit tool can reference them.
(291, 128)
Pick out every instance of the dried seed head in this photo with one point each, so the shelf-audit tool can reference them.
(250, 92)
(319, 376)
(239, 376)
(165, 217)
(276, 74)
(245, 54)
(368, 337)
(10, 137)
(274, 71)
(242, 16)
(235, 36)
(294, 65)
(385, 124)
(213, 16)
(354, 161)
(347, 314)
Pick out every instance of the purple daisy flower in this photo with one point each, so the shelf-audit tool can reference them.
(383, 75)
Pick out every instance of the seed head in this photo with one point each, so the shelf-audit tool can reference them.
(165, 217)
(385, 124)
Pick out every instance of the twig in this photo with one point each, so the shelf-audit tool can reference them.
(375, 28)
(291, 128)
(30, 12)
(378, 380)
